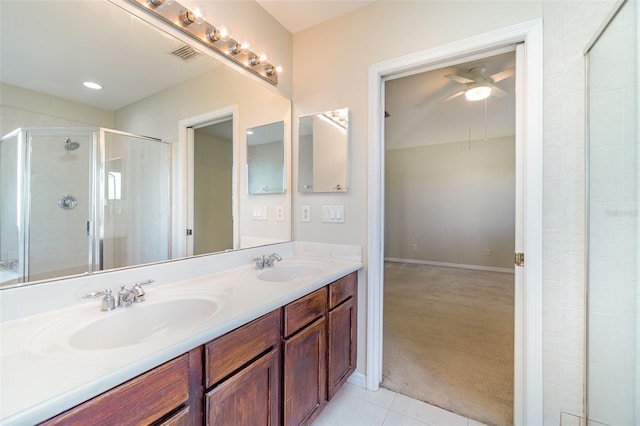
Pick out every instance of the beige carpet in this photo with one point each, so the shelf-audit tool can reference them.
(448, 339)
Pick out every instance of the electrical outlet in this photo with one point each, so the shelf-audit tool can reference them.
(306, 213)
(280, 213)
(414, 247)
(487, 252)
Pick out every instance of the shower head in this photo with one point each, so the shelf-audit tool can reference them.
(69, 145)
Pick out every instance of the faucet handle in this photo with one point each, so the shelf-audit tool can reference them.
(273, 257)
(260, 261)
(138, 291)
(108, 303)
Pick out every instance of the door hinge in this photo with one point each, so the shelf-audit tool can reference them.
(189, 231)
(519, 259)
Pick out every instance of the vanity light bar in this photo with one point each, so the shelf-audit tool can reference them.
(215, 38)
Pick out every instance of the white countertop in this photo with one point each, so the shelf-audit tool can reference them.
(41, 375)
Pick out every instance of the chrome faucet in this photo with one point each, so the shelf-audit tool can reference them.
(108, 302)
(265, 261)
(138, 291)
(271, 259)
(260, 261)
(125, 296)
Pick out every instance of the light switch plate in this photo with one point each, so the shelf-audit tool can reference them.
(259, 212)
(306, 213)
(333, 214)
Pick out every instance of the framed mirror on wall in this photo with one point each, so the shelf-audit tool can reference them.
(42, 87)
(323, 151)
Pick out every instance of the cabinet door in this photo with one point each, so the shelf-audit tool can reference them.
(142, 400)
(342, 331)
(249, 397)
(305, 379)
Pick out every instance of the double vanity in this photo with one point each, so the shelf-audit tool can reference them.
(215, 339)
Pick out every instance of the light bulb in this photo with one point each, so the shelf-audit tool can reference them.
(92, 85)
(224, 33)
(214, 34)
(257, 60)
(477, 93)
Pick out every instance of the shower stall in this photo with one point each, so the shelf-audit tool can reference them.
(79, 200)
(613, 228)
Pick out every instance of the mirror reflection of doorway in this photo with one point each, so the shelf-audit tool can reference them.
(213, 187)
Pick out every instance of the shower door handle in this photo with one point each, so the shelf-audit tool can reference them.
(88, 228)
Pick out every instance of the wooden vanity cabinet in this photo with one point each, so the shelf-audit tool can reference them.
(242, 374)
(166, 395)
(280, 369)
(305, 358)
(342, 331)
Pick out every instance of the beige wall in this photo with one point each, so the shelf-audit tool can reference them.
(347, 46)
(213, 221)
(26, 108)
(249, 22)
(453, 202)
(160, 114)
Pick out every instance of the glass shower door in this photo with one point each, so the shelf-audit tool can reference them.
(613, 298)
(58, 205)
(10, 198)
(135, 198)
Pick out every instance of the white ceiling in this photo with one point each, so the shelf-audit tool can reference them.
(297, 15)
(63, 43)
(54, 52)
(416, 118)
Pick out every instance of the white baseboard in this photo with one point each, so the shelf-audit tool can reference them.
(451, 265)
(358, 379)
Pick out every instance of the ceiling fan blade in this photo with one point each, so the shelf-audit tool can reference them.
(460, 79)
(498, 92)
(448, 98)
(499, 76)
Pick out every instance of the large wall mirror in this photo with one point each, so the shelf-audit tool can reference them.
(266, 162)
(104, 178)
(323, 151)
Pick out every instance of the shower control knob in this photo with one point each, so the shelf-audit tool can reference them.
(67, 202)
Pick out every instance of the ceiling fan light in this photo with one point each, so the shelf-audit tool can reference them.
(478, 93)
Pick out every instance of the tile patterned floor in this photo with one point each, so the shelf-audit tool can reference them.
(354, 406)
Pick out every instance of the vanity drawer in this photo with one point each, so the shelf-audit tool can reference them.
(228, 353)
(303, 311)
(141, 400)
(342, 289)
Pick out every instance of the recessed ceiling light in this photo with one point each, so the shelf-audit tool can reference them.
(92, 85)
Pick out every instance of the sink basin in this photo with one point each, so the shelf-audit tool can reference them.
(284, 273)
(141, 323)
(168, 317)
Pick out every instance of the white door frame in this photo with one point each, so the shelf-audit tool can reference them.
(183, 183)
(528, 296)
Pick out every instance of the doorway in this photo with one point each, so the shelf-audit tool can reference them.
(450, 237)
(206, 181)
(528, 290)
(213, 187)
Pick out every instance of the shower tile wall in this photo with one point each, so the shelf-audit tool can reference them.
(568, 27)
(613, 228)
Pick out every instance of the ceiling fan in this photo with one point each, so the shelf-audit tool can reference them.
(478, 85)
